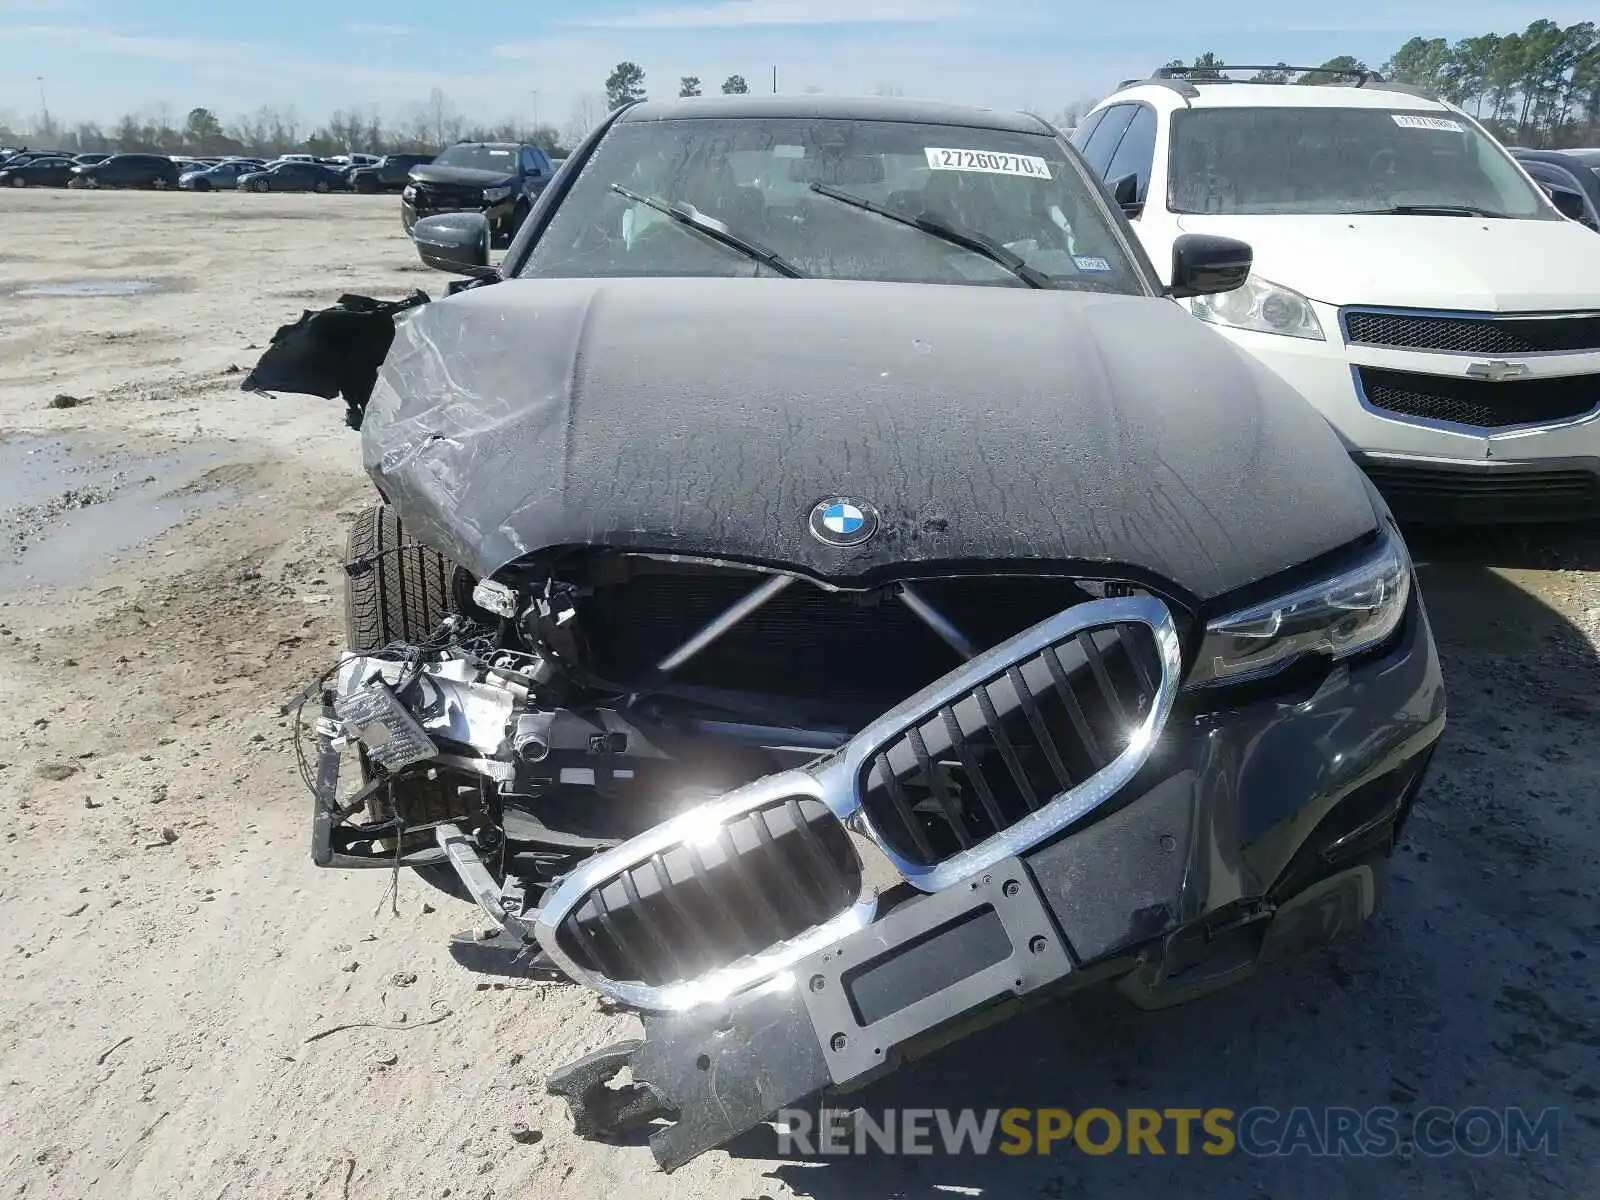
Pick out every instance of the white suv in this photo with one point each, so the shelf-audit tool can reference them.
(1410, 279)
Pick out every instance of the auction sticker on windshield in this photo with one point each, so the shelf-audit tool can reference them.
(987, 162)
(1412, 121)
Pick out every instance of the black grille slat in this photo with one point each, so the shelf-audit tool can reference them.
(1141, 667)
(815, 858)
(941, 794)
(771, 873)
(1102, 677)
(805, 886)
(650, 922)
(902, 806)
(1474, 335)
(1480, 403)
(702, 944)
(1041, 732)
(980, 782)
(1074, 709)
(751, 889)
(1008, 752)
(1053, 720)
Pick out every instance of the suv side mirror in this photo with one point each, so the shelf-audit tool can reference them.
(1125, 192)
(454, 242)
(1567, 202)
(1205, 265)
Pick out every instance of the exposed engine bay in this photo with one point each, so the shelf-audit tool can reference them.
(600, 696)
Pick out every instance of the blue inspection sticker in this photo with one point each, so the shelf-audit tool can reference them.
(1087, 262)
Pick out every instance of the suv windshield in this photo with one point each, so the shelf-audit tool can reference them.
(795, 187)
(480, 158)
(1341, 160)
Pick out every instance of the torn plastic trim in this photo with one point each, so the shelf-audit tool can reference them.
(834, 781)
(455, 707)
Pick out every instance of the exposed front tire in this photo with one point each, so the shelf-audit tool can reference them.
(397, 589)
(159, 183)
(366, 187)
(18, 181)
(201, 185)
(322, 187)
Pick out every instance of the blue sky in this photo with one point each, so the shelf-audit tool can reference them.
(101, 58)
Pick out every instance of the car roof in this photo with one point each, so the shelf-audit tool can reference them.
(836, 108)
(1214, 93)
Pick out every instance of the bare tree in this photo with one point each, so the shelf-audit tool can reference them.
(586, 113)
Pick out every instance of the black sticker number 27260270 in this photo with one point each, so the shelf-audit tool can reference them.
(983, 160)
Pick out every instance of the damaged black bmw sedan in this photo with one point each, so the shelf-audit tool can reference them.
(826, 594)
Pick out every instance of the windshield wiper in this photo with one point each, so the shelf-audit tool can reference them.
(1428, 210)
(688, 214)
(956, 235)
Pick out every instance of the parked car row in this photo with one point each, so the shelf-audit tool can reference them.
(290, 172)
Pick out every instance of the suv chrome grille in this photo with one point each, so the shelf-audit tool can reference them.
(1473, 334)
(1480, 403)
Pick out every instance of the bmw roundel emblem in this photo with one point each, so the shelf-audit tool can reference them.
(841, 521)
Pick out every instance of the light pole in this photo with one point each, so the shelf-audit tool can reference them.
(536, 113)
(44, 107)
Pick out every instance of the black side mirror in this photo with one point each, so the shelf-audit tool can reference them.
(454, 242)
(1204, 265)
(1125, 192)
(1568, 203)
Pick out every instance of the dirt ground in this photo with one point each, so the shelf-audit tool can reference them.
(169, 575)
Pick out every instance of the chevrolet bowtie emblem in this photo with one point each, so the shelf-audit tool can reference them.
(1497, 371)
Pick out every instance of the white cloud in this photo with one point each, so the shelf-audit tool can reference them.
(106, 40)
(377, 31)
(735, 13)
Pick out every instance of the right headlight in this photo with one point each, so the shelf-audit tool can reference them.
(1340, 616)
(409, 192)
(1260, 306)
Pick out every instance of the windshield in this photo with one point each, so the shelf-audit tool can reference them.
(794, 187)
(480, 158)
(1341, 160)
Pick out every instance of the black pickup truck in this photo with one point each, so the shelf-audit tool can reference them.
(499, 179)
(389, 174)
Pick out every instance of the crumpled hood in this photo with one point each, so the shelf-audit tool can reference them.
(1461, 263)
(476, 176)
(708, 416)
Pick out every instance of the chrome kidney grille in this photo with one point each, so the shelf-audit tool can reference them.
(1015, 746)
(762, 877)
(1011, 743)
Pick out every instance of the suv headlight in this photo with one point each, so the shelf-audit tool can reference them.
(1351, 612)
(409, 192)
(495, 194)
(1263, 307)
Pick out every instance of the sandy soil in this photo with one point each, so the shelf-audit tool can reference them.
(168, 576)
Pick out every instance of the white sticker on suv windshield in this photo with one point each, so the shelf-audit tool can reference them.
(1088, 262)
(988, 162)
(1412, 121)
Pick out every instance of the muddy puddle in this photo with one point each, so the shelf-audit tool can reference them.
(90, 288)
(65, 512)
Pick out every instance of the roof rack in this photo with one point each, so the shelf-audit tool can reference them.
(1182, 86)
(1160, 73)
